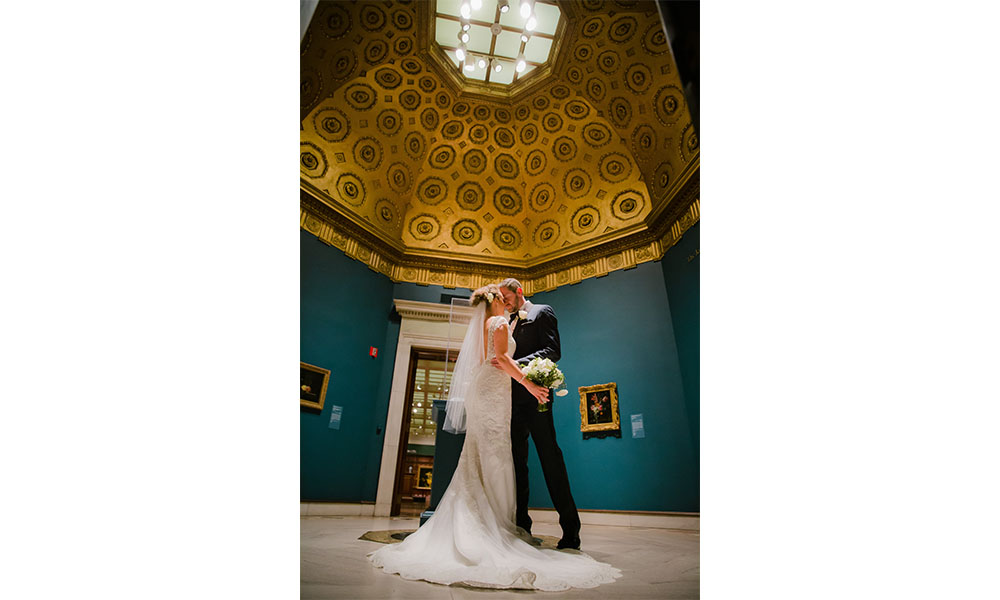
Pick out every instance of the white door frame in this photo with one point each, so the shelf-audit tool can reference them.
(424, 325)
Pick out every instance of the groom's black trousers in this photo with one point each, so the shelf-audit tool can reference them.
(525, 420)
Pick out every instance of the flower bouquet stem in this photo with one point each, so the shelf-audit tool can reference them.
(544, 372)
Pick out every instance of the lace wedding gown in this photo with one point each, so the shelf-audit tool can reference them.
(471, 538)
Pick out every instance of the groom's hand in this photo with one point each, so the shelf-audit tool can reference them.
(496, 363)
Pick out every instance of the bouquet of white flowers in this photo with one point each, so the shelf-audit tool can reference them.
(546, 373)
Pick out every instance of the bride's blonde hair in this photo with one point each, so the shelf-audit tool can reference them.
(482, 294)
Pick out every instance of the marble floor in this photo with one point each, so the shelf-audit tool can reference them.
(656, 563)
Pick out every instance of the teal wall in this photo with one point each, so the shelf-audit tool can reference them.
(618, 328)
(345, 308)
(614, 328)
(380, 408)
(681, 274)
(427, 293)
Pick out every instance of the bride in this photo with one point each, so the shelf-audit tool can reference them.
(471, 539)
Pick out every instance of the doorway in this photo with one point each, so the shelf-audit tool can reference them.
(427, 381)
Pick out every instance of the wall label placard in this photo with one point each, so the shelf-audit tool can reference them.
(638, 431)
(335, 414)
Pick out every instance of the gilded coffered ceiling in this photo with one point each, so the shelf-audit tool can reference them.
(586, 164)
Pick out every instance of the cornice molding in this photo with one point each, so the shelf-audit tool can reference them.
(679, 194)
(429, 311)
(334, 229)
(657, 146)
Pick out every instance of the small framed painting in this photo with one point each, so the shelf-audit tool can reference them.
(599, 408)
(312, 385)
(424, 477)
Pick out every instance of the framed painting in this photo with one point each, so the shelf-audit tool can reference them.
(312, 385)
(599, 410)
(425, 474)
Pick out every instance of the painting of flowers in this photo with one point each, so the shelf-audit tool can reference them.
(599, 408)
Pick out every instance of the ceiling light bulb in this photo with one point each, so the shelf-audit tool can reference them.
(464, 36)
(477, 4)
(466, 10)
(524, 38)
(525, 9)
(521, 65)
(465, 26)
(504, 5)
(530, 25)
(460, 53)
(481, 63)
(469, 67)
(496, 65)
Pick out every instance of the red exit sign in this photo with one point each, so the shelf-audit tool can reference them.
(373, 351)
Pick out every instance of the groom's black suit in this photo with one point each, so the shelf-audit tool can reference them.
(538, 336)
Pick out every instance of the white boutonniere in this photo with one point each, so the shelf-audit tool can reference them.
(522, 314)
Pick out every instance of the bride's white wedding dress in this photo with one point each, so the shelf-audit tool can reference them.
(471, 538)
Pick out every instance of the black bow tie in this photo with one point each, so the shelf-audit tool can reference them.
(512, 317)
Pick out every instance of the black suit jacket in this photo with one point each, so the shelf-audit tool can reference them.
(535, 336)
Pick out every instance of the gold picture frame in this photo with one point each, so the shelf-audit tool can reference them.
(425, 476)
(312, 385)
(599, 408)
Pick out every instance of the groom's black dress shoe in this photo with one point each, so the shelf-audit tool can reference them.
(565, 543)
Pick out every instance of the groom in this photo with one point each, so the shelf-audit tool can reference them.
(536, 334)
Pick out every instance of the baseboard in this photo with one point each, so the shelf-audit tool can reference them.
(686, 521)
(336, 509)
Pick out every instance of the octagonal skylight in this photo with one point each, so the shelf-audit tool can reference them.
(496, 41)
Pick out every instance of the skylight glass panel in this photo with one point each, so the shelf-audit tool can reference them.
(503, 42)
(449, 7)
(487, 12)
(508, 44)
(513, 18)
(479, 39)
(548, 18)
(446, 32)
(537, 49)
(506, 74)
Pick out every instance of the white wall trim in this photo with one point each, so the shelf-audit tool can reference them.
(423, 327)
(428, 311)
(335, 509)
(687, 522)
(690, 522)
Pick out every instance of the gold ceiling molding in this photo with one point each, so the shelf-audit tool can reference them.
(422, 173)
(682, 195)
(334, 229)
